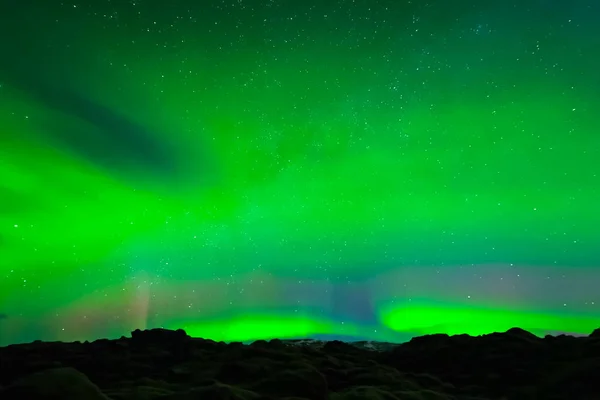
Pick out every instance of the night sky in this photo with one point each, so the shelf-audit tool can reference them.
(249, 169)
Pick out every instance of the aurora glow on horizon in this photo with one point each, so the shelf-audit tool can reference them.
(249, 169)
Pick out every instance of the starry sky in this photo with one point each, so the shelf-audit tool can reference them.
(245, 169)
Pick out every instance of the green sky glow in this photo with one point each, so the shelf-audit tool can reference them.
(250, 170)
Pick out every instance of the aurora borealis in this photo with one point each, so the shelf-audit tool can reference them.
(251, 169)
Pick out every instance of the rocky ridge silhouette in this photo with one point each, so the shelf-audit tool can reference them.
(161, 364)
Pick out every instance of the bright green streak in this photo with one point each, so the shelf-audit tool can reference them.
(261, 326)
(452, 319)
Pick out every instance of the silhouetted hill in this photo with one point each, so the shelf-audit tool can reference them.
(169, 365)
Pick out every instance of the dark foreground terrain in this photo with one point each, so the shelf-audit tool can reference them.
(169, 365)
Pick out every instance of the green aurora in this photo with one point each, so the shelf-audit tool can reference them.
(250, 170)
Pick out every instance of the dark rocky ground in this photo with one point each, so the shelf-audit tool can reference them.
(169, 365)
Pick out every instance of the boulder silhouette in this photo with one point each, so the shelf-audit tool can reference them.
(160, 364)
